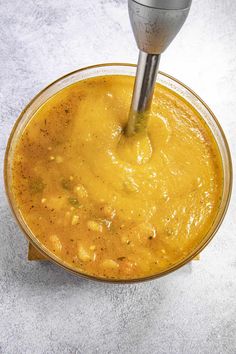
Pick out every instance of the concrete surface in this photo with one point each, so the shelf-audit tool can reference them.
(42, 308)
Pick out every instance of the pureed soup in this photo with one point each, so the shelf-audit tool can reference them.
(110, 206)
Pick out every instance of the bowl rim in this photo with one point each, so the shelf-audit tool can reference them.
(56, 260)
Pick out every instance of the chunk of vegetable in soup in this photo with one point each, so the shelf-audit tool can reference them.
(110, 206)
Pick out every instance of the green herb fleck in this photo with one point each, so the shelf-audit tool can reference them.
(74, 202)
(67, 184)
(36, 185)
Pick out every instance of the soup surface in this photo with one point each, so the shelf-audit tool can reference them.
(110, 206)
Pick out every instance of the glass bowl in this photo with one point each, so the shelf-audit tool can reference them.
(130, 70)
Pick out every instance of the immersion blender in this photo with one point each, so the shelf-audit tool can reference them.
(155, 23)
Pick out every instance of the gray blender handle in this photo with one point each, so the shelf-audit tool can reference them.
(155, 23)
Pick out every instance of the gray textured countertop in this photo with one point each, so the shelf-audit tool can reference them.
(42, 308)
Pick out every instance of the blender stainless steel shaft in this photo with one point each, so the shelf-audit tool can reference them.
(155, 23)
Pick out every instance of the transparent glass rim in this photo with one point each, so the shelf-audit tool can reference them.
(50, 256)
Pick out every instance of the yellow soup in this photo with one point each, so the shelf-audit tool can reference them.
(111, 206)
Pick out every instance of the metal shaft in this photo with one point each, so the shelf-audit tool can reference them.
(143, 91)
